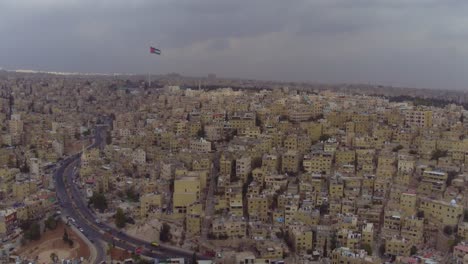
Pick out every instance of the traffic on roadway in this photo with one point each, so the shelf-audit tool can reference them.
(75, 208)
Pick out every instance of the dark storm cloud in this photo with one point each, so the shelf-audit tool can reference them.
(415, 43)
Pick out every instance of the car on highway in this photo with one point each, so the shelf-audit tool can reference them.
(155, 244)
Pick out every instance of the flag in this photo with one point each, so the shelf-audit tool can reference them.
(155, 51)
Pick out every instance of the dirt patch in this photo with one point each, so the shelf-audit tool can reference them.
(51, 242)
(148, 231)
(119, 254)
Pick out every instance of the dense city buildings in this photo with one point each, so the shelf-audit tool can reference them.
(254, 173)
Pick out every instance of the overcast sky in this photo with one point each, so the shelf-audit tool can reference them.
(417, 43)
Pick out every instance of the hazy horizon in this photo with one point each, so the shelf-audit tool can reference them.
(418, 44)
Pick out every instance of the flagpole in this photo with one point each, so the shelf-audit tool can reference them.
(149, 69)
(149, 79)
(149, 76)
(155, 51)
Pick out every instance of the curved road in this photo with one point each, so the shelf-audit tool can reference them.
(73, 205)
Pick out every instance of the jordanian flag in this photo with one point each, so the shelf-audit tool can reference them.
(155, 51)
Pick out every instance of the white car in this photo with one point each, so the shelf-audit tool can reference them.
(81, 229)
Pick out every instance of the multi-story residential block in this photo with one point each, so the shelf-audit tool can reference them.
(413, 230)
(441, 211)
(258, 207)
(408, 203)
(193, 219)
(243, 168)
(368, 234)
(462, 230)
(186, 192)
(345, 157)
(433, 182)
(318, 162)
(236, 205)
(398, 247)
(231, 227)
(290, 162)
(418, 118)
(270, 162)
(225, 165)
(392, 224)
(301, 238)
(200, 145)
(8, 220)
(336, 188)
(150, 202)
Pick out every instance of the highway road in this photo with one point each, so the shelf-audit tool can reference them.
(73, 205)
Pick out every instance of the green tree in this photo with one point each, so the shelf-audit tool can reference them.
(108, 138)
(325, 249)
(382, 249)
(165, 233)
(397, 148)
(34, 232)
(65, 236)
(465, 215)
(201, 133)
(51, 223)
(448, 230)
(333, 241)
(132, 195)
(194, 258)
(98, 200)
(324, 137)
(367, 248)
(279, 234)
(413, 250)
(420, 214)
(324, 209)
(450, 176)
(120, 218)
(436, 154)
(53, 257)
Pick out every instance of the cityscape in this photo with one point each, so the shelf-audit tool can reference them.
(233, 132)
(227, 172)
